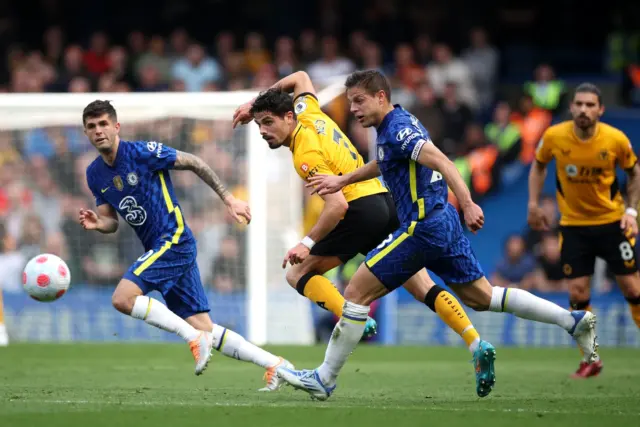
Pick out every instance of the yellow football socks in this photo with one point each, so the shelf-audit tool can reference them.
(451, 312)
(320, 290)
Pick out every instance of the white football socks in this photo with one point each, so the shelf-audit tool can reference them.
(157, 314)
(528, 306)
(233, 345)
(344, 339)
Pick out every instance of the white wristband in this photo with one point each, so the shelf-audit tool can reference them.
(307, 242)
(632, 212)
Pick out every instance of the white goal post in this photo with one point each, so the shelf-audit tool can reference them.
(275, 313)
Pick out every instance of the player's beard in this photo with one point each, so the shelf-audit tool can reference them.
(583, 122)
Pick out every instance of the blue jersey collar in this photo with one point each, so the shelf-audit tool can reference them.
(385, 122)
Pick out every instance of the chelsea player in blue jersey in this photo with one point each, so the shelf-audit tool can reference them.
(430, 235)
(132, 179)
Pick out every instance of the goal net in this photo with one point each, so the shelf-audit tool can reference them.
(43, 158)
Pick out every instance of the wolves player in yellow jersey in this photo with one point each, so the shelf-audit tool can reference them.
(354, 220)
(131, 178)
(594, 221)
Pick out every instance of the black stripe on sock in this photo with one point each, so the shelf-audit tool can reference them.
(633, 301)
(430, 298)
(504, 298)
(580, 305)
(346, 316)
(303, 282)
(221, 339)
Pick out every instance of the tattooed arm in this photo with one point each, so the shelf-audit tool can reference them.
(237, 208)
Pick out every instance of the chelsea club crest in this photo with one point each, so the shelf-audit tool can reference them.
(132, 179)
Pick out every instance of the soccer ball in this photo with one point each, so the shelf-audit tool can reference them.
(46, 278)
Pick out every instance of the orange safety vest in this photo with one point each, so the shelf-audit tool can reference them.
(482, 160)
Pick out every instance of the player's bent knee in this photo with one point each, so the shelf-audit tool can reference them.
(293, 276)
(123, 302)
(629, 285)
(364, 288)
(476, 295)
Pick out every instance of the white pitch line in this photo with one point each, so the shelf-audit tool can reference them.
(336, 405)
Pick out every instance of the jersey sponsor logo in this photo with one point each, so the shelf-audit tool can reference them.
(133, 213)
(385, 241)
(320, 127)
(409, 139)
(380, 153)
(603, 155)
(301, 105)
(304, 167)
(403, 134)
(117, 181)
(132, 179)
(152, 145)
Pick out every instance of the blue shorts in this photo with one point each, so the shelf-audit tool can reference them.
(172, 270)
(436, 243)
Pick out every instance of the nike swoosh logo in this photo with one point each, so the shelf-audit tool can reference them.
(104, 190)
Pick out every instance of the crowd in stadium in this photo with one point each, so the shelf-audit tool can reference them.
(452, 93)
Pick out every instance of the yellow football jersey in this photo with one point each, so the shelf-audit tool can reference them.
(587, 187)
(320, 147)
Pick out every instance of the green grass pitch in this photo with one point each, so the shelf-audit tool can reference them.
(153, 385)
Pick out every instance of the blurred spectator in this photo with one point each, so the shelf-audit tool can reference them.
(79, 85)
(550, 277)
(308, 47)
(371, 57)
(150, 80)
(330, 65)
(426, 110)
(546, 91)
(423, 47)
(517, 267)
(95, 58)
(285, 57)
(265, 77)
(53, 42)
(179, 42)
(225, 44)
(534, 237)
(481, 160)
(73, 67)
(196, 69)
(504, 134)
(482, 60)
(456, 117)
(406, 70)
(32, 236)
(533, 121)
(228, 268)
(255, 52)
(357, 42)
(446, 69)
(137, 45)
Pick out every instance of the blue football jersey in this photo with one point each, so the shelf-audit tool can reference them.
(417, 190)
(139, 187)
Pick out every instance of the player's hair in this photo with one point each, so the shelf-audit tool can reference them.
(274, 101)
(372, 81)
(589, 88)
(98, 108)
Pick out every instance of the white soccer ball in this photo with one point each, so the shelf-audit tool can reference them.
(46, 278)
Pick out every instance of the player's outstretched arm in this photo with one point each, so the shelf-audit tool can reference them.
(296, 83)
(431, 157)
(237, 208)
(105, 221)
(329, 184)
(535, 216)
